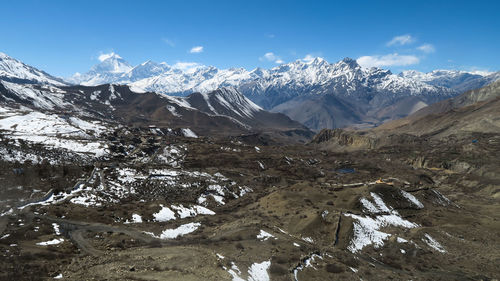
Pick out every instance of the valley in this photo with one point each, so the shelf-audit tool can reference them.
(175, 207)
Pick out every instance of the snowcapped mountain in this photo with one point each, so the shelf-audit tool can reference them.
(445, 78)
(111, 69)
(266, 87)
(342, 94)
(460, 81)
(146, 70)
(345, 78)
(371, 94)
(161, 77)
(270, 88)
(16, 71)
(202, 79)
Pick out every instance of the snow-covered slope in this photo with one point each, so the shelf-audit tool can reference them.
(224, 101)
(40, 96)
(60, 134)
(16, 71)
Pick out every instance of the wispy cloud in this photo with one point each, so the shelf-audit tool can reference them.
(387, 60)
(427, 48)
(103, 57)
(270, 56)
(169, 42)
(401, 40)
(196, 49)
(270, 35)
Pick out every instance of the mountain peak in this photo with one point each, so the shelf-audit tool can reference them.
(111, 55)
(12, 69)
(350, 62)
(317, 61)
(111, 63)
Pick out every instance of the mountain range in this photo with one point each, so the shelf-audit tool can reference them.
(224, 111)
(315, 93)
(472, 112)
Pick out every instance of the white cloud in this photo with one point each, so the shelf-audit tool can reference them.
(427, 48)
(308, 58)
(270, 56)
(103, 57)
(401, 40)
(196, 49)
(387, 60)
(270, 35)
(168, 42)
(187, 66)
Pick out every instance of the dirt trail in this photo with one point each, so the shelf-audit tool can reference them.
(76, 231)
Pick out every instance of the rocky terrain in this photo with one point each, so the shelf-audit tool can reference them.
(160, 206)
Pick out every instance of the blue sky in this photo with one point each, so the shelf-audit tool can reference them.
(64, 37)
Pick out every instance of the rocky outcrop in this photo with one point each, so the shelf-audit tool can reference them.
(344, 138)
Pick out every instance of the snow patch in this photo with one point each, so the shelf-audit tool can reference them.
(433, 243)
(263, 235)
(188, 133)
(56, 228)
(308, 239)
(135, 219)
(412, 199)
(256, 272)
(367, 230)
(176, 232)
(51, 242)
(165, 214)
(401, 240)
(184, 212)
